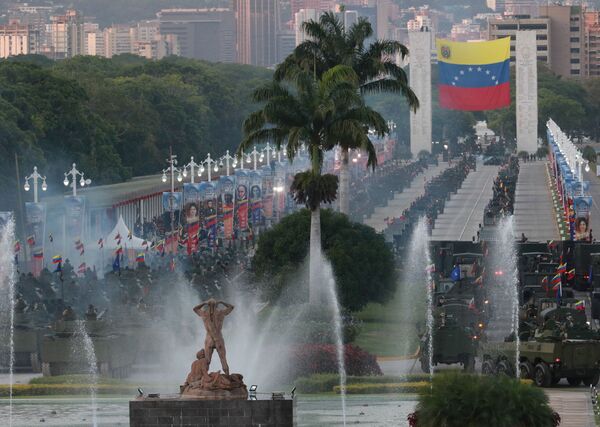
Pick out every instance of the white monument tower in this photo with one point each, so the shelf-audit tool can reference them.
(420, 82)
(527, 107)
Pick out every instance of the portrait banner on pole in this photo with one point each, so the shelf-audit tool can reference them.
(209, 211)
(226, 204)
(241, 200)
(256, 198)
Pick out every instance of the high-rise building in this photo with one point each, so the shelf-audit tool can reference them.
(384, 12)
(95, 43)
(508, 27)
(67, 35)
(118, 40)
(18, 39)
(566, 39)
(302, 16)
(207, 34)
(592, 44)
(318, 5)
(257, 28)
(521, 8)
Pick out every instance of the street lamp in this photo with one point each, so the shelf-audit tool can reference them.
(192, 165)
(254, 153)
(35, 176)
(74, 174)
(209, 162)
(227, 159)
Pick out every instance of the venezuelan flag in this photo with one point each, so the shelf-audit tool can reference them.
(474, 76)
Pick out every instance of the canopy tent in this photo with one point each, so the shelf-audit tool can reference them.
(121, 229)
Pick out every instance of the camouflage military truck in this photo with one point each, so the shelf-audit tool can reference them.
(556, 342)
(455, 335)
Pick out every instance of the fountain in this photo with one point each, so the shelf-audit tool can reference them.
(84, 344)
(504, 289)
(416, 292)
(7, 290)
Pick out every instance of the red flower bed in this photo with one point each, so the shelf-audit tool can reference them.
(311, 359)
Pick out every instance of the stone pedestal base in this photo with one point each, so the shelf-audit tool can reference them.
(180, 411)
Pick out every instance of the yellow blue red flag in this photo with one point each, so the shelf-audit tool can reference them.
(474, 76)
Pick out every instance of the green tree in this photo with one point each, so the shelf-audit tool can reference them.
(362, 263)
(331, 44)
(589, 154)
(317, 114)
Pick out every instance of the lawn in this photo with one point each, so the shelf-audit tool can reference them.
(384, 332)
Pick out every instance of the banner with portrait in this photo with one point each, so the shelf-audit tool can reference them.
(208, 195)
(267, 191)
(192, 207)
(226, 205)
(582, 207)
(172, 201)
(241, 200)
(256, 198)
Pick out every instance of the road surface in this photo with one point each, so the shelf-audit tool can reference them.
(534, 213)
(464, 211)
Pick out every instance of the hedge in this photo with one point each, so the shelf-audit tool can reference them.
(416, 387)
(64, 389)
(324, 383)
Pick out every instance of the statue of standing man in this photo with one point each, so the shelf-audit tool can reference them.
(213, 317)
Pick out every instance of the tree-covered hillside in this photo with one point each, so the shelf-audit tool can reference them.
(117, 117)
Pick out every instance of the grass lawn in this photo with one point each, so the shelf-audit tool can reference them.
(384, 332)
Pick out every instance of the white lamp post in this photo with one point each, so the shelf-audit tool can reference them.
(74, 174)
(254, 153)
(228, 158)
(192, 165)
(35, 176)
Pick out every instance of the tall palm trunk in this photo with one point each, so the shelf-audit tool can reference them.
(315, 257)
(344, 183)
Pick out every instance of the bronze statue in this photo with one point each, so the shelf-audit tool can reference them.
(200, 383)
(213, 322)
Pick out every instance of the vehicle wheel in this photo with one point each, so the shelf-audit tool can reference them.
(542, 375)
(469, 363)
(487, 367)
(526, 370)
(573, 381)
(504, 368)
(593, 380)
(35, 362)
(46, 370)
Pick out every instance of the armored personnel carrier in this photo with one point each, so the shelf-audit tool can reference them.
(63, 349)
(555, 342)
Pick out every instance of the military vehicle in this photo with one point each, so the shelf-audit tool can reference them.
(456, 335)
(555, 342)
(63, 350)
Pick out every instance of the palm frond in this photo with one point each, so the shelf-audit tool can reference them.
(312, 189)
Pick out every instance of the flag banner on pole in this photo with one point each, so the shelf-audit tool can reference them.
(474, 76)
(35, 222)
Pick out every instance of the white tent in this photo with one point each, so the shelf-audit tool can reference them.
(121, 230)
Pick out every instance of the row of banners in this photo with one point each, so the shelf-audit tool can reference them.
(572, 191)
(231, 205)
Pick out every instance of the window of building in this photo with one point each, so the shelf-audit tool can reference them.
(574, 50)
(574, 29)
(575, 39)
(507, 26)
(541, 37)
(543, 58)
(542, 47)
(533, 27)
(574, 60)
(574, 71)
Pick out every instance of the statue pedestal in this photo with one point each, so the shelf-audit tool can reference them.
(215, 386)
(178, 410)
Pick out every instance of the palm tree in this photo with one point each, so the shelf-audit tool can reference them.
(316, 114)
(330, 45)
